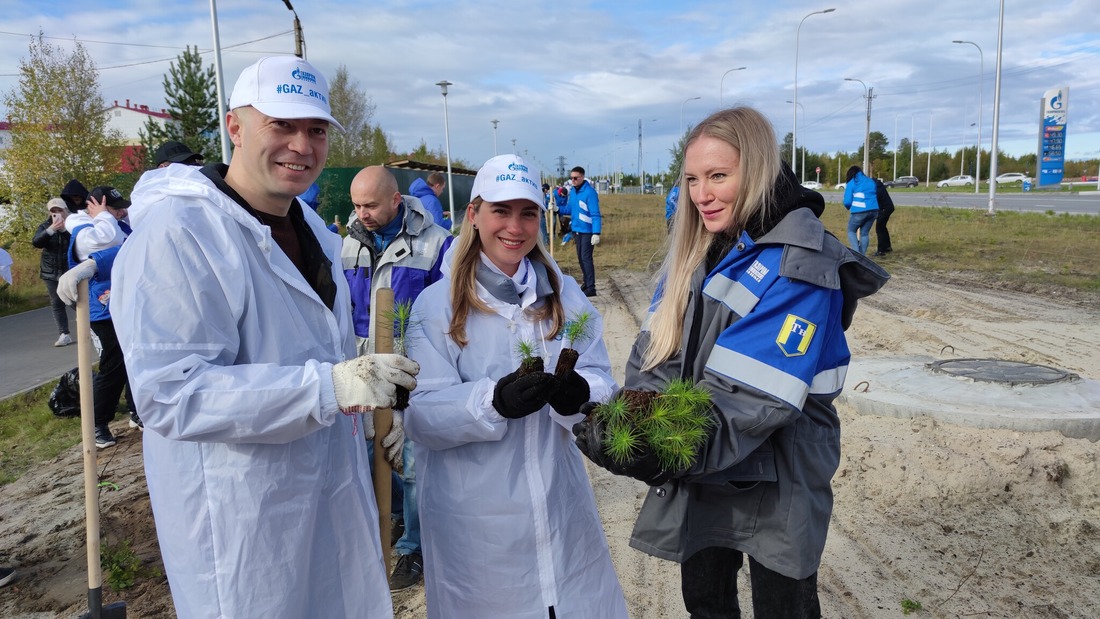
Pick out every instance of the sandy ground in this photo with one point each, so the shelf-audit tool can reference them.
(967, 522)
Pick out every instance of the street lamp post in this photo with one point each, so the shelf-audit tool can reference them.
(494, 121)
(928, 173)
(794, 153)
(895, 146)
(299, 40)
(447, 145)
(641, 172)
(996, 110)
(912, 140)
(682, 113)
(981, 82)
(219, 83)
(867, 132)
(721, 90)
(794, 133)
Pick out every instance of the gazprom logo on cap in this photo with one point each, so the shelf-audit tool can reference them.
(515, 167)
(304, 76)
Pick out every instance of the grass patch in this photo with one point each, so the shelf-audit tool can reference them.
(30, 433)
(1018, 251)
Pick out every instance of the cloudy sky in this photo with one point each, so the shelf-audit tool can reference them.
(573, 78)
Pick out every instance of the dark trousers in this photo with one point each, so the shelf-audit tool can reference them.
(111, 379)
(709, 585)
(583, 241)
(60, 313)
(881, 232)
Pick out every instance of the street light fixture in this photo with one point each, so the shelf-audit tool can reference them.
(794, 153)
(447, 144)
(794, 133)
(494, 121)
(682, 113)
(981, 82)
(721, 90)
(867, 134)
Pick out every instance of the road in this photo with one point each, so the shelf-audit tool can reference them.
(1082, 203)
(27, 355)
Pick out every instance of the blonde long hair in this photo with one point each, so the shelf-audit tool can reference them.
(464, 297)
(748, 131)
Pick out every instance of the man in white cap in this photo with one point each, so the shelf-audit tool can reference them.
(235, 320)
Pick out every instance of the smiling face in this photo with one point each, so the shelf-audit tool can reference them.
(274, 160)
(508, 231)
(712, 169)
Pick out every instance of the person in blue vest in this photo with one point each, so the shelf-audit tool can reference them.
(561, 208)
(97, 232)
(584, 206)
(428, 192)
(752, 303)
(392, 243)
(861, 199)
(671, 202)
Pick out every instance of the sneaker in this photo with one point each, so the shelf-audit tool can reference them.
(880, 253)
(135, 421)
(63, 340)
(590, 293)
(103, 437)
(408, 572)
(7, 574)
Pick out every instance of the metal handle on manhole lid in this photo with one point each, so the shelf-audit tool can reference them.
(866, 386)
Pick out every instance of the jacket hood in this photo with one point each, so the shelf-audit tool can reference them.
(788, 195)
(419, 187)
(76, 190)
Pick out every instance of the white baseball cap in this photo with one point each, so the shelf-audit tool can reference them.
(508, 177)
(284, 87)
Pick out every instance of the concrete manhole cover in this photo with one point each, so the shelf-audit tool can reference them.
(1000, 371)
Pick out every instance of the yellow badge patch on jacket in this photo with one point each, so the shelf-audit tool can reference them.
(795, 336)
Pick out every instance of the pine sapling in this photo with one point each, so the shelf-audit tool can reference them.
(576, 330)
(401, 317)
(529, 360)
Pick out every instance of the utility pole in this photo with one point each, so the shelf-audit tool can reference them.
(867, 134)
(561, 166)
(299, 40)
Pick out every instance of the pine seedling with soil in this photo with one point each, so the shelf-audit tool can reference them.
(401, 317)
(529, 360)
(674, 423)
(576, 330)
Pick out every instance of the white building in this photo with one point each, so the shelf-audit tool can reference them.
(129, 118)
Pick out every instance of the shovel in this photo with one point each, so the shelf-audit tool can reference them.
(96, 609)
(383, 423)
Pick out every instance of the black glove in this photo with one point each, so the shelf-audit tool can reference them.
(644, 466)
(517, 396)
(571, 392)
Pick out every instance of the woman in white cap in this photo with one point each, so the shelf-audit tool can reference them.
(510, 526)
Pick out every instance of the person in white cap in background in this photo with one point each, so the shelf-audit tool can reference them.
(510, 527)
(240, 347)
(52, 238)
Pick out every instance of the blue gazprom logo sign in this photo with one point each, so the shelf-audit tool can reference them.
(304, 76)
(515, 167)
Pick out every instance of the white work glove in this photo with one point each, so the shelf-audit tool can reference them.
(393, 443)
(67, 284)
(595, 239)
(369, 382)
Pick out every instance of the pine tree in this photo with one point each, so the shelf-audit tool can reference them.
(191, 94)
(58, 131)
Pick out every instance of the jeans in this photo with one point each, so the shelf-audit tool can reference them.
(862, 222)
(584, 257)
(60, 313)
(410, 541)
(709, 587)
(111, 379)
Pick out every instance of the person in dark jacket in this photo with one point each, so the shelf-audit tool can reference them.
(52, 238)
(885, 209)
(751, 305)
(75, 195)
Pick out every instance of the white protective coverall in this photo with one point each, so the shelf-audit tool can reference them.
(258, 484)
(507, 514)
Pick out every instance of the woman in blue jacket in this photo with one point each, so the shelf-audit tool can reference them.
(753, 300)
(860, 197)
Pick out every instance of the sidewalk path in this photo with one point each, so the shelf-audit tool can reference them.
(27, 355)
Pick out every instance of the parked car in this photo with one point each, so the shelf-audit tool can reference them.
(962, 180)
(841, 186)
(903, 181)
(648, 188)
(1012, 178)
(816, 186)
